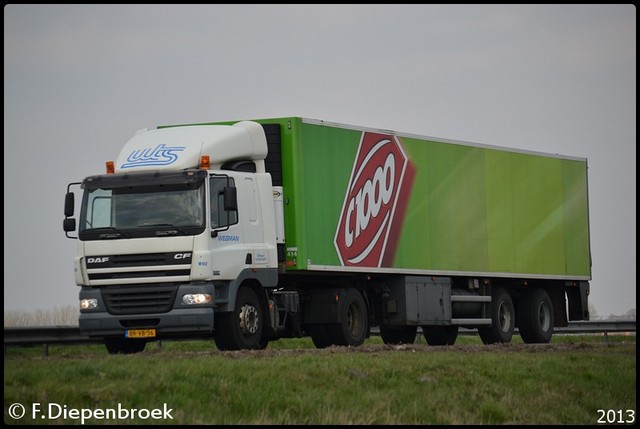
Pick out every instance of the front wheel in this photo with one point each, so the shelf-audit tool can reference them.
(242, 328)
(124, 346)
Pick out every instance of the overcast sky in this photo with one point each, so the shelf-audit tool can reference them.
(79, 80)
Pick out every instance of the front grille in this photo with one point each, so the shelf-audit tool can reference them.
(140, 260)
(139, 265)
(137, 274)
(137, 299)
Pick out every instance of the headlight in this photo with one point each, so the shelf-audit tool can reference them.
(88, 304)
(197, 298)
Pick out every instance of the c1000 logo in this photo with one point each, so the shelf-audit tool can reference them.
(375, 202)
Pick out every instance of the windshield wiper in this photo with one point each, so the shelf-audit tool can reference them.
(112, 233)
(171, 228)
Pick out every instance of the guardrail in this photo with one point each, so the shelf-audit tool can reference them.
(45, 336)
(49, 335)
(598, 327)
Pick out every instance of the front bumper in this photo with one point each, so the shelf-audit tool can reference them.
(143, 308)
(182, 323)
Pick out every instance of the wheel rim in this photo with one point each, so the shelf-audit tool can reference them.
(248, 319)
(544, 315)
(504, 318)
(354, 320)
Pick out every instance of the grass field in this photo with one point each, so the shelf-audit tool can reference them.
(573, 380)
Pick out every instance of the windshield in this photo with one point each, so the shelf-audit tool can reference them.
(143, 211)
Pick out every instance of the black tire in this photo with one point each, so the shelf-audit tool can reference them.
(392, 334)
(535, 316)
(353, 327)
(320, 335)
(503, 319)
(241, 329)
(440, 335)
(124, 346)
(264, 343)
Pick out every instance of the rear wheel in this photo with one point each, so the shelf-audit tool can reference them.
(392, 334)
(440, 335)
(535, 316)
(242, 328)
(320, 335)
(503, 319)
(354, 323)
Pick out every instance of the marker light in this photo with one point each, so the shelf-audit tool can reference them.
(88, 304)
(197, 298)
(205, 162)
(110, 167)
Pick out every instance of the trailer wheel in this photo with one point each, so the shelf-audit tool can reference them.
(503, 319)
(440, 335)
(535, 316)
(354, 322)
(320, 335)
(392, 334)
(124, 346)
(242, 328)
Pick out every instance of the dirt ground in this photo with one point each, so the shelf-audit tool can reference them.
(423, 348)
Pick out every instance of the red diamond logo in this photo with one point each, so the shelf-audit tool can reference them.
(375, 202)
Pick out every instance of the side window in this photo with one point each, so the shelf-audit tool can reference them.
(98, 210)
(221, 218)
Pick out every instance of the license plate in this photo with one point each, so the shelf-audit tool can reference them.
(140, 333)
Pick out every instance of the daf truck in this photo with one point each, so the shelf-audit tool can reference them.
(253, 230)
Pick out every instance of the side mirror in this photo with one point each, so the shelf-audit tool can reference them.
(69, 205)
(230, 199)
(69, 224)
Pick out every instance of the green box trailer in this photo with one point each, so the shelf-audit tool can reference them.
(332, 230)
(460, 208)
